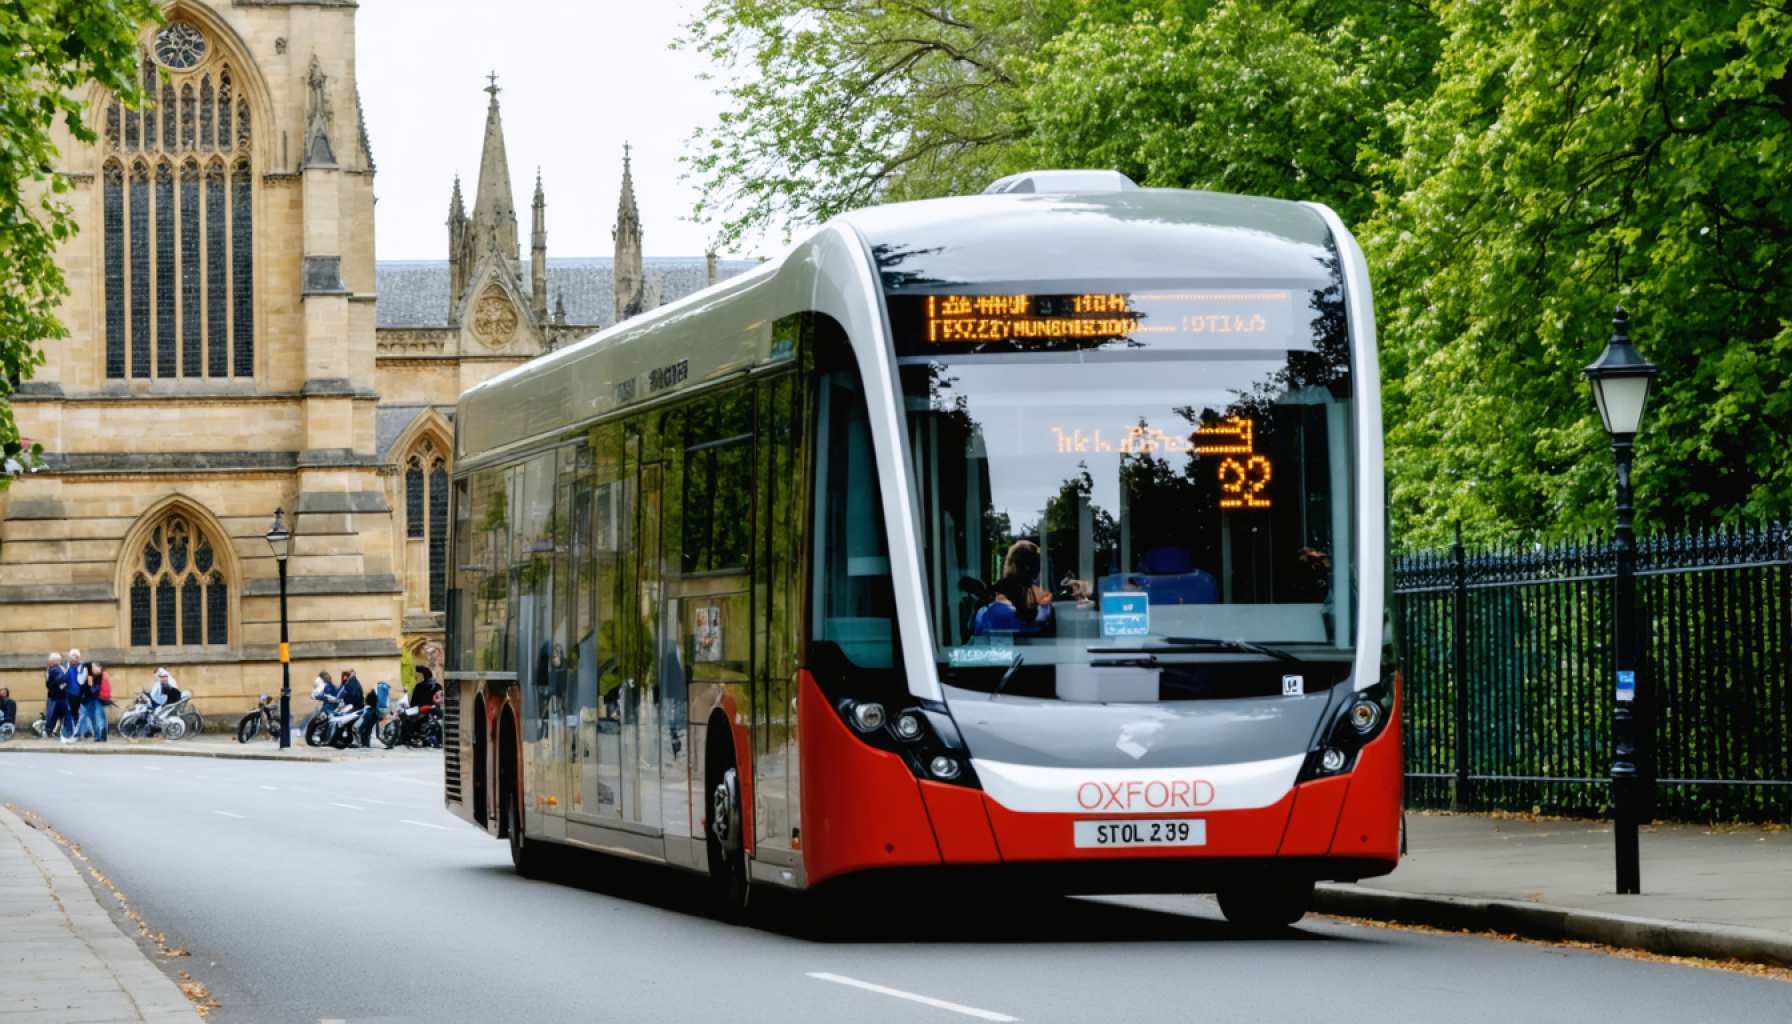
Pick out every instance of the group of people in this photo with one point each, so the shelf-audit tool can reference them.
(77, 693)
(347, 694)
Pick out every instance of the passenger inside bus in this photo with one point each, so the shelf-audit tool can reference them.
(1018, 604)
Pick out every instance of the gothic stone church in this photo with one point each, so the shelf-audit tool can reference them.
(233, 348)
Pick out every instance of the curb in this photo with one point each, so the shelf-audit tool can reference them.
(163, 749)
(1540, 921)
(152, 996)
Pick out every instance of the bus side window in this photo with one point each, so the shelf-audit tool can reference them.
(854, 604)
(488, 555)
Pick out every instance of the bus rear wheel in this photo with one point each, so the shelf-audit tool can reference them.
(727, 856)
(525, 857)
(1266, 904)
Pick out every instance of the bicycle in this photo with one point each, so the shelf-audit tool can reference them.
(262, 720)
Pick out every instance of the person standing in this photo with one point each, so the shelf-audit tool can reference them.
(97, 698)
(80, 690)
(352, 699)
(57, 720)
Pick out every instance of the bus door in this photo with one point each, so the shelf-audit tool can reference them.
(602, 669)
(640, 729)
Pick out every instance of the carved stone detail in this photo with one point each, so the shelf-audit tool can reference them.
(494, 318)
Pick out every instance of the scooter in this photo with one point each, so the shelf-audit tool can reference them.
(335, 726)
(145, 719)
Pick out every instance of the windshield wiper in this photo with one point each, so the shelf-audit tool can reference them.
(1013, 667)
(1250, 646)
(1174, 643)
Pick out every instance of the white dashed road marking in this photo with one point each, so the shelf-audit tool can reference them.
(227, 814)
(422, 824)
(351, 807)
(938, 1004)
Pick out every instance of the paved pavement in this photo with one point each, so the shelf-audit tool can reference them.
(208, 745)
(1693, 873)
(344, 891)
(62, 959)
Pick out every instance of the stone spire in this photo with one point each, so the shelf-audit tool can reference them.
(457, 229)
(493, 228)
(538, 253)
(631, 298)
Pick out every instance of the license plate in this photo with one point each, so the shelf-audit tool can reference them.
(1141, 832)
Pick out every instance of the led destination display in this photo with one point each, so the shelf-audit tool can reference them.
(1222, 318)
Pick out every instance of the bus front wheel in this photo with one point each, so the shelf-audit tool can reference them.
(727, 854)
(1266, 904)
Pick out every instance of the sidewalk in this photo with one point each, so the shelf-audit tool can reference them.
(63, 959)
(208, 745)
(1721, 893)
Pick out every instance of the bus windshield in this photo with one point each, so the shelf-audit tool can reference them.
(1125, 475)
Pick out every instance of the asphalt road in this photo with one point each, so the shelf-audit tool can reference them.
(343, 892)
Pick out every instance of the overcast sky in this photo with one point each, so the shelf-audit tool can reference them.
(578, 77)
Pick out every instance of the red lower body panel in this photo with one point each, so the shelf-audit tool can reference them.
(1369, 824)
(961, 824)
(861, 806)
(1315, 817)
(863, 809)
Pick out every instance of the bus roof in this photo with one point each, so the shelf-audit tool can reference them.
(1135, 234)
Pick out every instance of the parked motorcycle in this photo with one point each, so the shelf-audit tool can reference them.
(170, 721)
(412, 727)
(334, 726)
(264, 719)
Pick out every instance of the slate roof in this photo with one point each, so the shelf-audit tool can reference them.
(414, 293)
(389, 421)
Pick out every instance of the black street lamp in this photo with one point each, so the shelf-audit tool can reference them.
(1620, 378)
(280, 539)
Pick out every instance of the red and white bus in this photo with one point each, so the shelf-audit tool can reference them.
(1039, 531)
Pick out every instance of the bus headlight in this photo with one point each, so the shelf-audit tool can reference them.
(1364, 716)
(867, 717)
(908, 726)
(944, 767)
(1333, 760)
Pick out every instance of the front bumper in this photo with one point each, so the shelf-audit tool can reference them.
(865, 810)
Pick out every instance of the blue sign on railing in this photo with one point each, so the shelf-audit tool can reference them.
(1125, 614)
(1626, 685)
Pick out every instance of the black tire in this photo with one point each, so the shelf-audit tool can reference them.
(727, 858)
(249, 727)
(388, 733)
(1266, 905)
(133, 726)
(317, 733)
(528, 858)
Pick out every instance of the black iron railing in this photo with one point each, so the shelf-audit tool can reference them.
(1528, 634)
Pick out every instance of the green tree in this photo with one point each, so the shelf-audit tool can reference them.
(50, 51)
(1570, 154)
(836, 104)
(1277, 99)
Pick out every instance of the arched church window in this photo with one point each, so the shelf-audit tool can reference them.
(177, 217)
(426, 513)
(178, 594)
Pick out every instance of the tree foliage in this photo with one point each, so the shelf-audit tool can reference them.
(835, 105)
(1512, 167)
(1570, 154)
(50, 52)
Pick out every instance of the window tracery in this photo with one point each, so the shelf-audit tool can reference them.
(426, 513)
(179, 268)
(178, 595)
